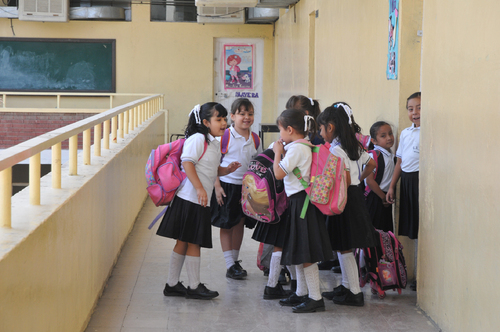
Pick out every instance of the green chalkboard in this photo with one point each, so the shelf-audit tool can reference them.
(65, 65)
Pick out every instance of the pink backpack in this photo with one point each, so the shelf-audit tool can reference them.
(364, 140)
(163, 173)
(327, 189)
(224, 142)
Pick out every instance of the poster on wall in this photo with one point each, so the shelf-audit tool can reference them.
(238, 67)
(392, 56)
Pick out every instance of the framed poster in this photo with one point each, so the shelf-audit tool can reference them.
(392, 55)
(238, 67)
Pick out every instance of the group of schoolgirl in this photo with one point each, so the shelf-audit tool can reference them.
(299, 243)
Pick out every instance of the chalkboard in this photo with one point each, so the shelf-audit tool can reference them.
(63, 65)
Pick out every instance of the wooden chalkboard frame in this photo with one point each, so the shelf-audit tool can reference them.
(112, 89)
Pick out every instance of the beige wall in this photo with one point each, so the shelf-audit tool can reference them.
(175, 59)
(51, 280)
(459, 232)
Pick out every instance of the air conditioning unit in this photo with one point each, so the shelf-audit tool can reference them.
(44, 10)
(235, 15)
(226, 3)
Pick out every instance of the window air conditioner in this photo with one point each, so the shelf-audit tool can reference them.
(44, 10)
(221, 15)
(226, 3)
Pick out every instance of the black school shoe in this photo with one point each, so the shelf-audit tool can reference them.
(337, 291)
(309, 305)
(238, 266)
(273, 293)
(293, 300)
(350, 299)
(177, 290)
(328, 265)
(234, 273)
(201, 293)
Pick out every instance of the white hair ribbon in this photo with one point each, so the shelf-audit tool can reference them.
(347, 110)
(312, 101)
(196, 111)
(307, 122)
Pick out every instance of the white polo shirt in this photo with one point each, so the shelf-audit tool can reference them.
(206, 167)
(241, 150)
(297, 155)
(355, 167)
(389, 167)
(409, 149)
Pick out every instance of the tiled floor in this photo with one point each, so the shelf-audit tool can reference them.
(133, 299)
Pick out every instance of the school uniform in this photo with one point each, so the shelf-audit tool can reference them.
(409, 152)
(352, 228)
(381, 215)
(306, 240)
(186, 220)
(230, 213)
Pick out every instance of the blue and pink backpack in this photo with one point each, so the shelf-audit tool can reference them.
(224, 142)
(163, 173)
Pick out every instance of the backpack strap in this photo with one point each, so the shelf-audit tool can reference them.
(256, 140)
(296, 172)
(376, 155)
(204, 150)
(224, 142)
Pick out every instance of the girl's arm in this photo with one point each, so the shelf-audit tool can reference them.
(278, 151)
(190, 170)
(348, 178)
(368, 170)
(219, 192)
(228, 169)
(391, 193)
(370, 181)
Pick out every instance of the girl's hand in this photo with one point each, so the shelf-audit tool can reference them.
(278, 147)
(219, 193)
(390, 196)
(202, 196)
(232, 167)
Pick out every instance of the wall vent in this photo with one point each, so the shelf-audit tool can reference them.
(44, 10)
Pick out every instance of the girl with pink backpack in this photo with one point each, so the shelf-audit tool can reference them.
(352, 228)
(187, 220)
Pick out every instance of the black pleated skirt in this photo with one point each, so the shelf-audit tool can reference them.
(408, 207)
(307, 239)
(230, 213)
(353, 228)
(273, 234)
(188, 222)
(381, 215)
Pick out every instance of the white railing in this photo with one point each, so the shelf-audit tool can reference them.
(123, 119)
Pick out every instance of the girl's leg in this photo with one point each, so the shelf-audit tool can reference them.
(311, 273)
(173, 287)
(273, 289)
(353, 296)
(237, 238)
(293, 277)
(301, 280)
(345, 280)
(196, 290)
(226, 236)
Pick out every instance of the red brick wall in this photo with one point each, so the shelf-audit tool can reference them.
(18, 127)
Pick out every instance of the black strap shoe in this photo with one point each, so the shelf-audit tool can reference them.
(293, 300)
(234, 273)
(274, 293)
(238, 266)
(349, 298)
(337, 291)
(177, 290)
(201, 293)
(309, 305)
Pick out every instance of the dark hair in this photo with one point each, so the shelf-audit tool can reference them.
(207, 110)
(374, 131)
(304, 103)
(337, 116)
(295, 119)
(414, 95)
(239, 103)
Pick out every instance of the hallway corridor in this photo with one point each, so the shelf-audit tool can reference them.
(133, 298)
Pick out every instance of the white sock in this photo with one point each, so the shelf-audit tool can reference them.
(301, 280)
(293, 272)
(311, 274)
(174, 268)
(236, 254)
(193, 271)
(345, 281)
(351, 272)
(228, 256)
(274, 269)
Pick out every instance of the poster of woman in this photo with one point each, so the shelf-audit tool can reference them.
(238, 66)
(392, 56)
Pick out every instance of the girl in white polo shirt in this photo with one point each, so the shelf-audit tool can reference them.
(226, 210)
(407, 167)
(306, 241)
(188, 218)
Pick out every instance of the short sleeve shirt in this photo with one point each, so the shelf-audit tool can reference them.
(409, 149)
(355, 167)
(297, 155)
(206, 167)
